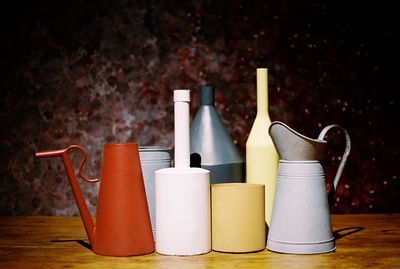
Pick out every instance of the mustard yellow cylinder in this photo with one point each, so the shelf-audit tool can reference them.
(238, 217)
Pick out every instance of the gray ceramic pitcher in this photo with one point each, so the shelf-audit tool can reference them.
(300, 221)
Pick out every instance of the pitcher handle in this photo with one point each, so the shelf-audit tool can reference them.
(345, 154)
(82, 162)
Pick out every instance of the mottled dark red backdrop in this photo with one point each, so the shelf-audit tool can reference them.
(93, 72)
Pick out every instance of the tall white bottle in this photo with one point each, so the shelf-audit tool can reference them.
(261, 155)
(182, 194)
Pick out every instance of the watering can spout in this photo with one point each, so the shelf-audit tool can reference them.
(84, 211)
(53, 153)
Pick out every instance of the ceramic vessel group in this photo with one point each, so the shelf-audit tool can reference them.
(211, 198)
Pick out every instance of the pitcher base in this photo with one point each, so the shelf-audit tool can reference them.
(292, 248)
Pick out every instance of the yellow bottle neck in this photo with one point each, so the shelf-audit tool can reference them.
(262, 92)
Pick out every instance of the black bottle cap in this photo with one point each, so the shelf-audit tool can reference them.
(206, 96)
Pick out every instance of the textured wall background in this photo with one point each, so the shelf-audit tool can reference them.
(93, 72)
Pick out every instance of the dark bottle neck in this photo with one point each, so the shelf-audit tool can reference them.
(207, 96)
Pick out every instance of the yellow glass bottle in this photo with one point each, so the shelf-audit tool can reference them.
(261, 155)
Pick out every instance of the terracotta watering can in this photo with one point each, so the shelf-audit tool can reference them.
(122, 223)
(300, 221)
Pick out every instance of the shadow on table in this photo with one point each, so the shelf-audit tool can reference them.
(337, 234)
(81, 242)
(346, 231)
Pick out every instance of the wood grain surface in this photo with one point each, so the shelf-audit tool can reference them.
(60, 242)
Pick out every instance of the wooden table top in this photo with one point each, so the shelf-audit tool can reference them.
(59, 242)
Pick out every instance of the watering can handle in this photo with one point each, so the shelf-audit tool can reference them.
(63, 153)
(83, 160)
(345, 154)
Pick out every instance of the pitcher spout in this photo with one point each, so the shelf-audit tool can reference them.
(293, 146)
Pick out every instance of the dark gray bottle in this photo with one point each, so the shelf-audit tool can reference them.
(211, 147)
